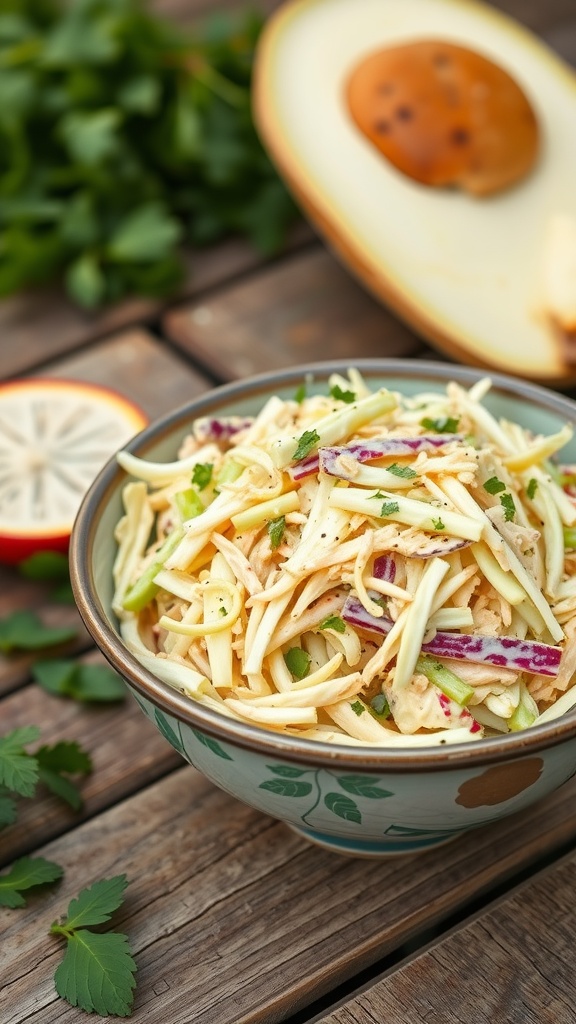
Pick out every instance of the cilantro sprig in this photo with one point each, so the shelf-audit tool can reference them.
(125, 138)
(97, 972)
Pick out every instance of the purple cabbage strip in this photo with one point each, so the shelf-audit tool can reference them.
(219, 428)
(507, 652)
(385, 568)
(365, 451)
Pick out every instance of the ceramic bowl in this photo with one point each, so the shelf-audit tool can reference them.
(352, 800)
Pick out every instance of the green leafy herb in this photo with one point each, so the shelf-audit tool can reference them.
(334, 622)
(532, 488)
(305, 444)
(442, 425)
(297, 662)
(276, 529)
(507, 502)
(24, 874)
(23, 631)
(358, 707)
(406, 472)
(389, 508)
(343, 396)
(97, 972)
(123, 137)
(379, 706)
(379, 495)
(494, 485)
(438, 524)
(202, 474)
(18, 771)
(91, 683)
(300, 393)
(8, 808)
(56, 763)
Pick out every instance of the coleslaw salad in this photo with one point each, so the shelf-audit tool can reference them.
(357, 567)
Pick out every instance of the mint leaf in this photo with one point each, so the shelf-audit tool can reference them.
(24, 874)
(333, 622)
(95, 904)
(343, 396)
(406, 472)
(97, 973)
(494, 485)
(202, 474)
(305, 444)
(18, 770)
(25, 632)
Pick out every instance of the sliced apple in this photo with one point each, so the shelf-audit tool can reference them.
(55, 435)
(463, 271)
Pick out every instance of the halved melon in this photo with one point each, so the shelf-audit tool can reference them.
(464, 271)
(55, 435)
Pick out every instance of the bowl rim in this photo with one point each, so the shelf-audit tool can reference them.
(485, 751)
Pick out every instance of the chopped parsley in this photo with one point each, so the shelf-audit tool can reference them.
(297, 662)
(276, 529)
(378, 495)
(507, 502)
(305, 444)
(202, 474)
(334, 622)
(532, 488)
(406, 472)
(300, 394)
(494, 485)
(443, 425)
(438, 524)
(358, 707)
(389, 508)
(342, 396)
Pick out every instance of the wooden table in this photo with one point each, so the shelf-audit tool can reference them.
(231, 917)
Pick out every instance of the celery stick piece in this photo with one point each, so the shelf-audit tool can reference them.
(144, 588)
(409, 511)
(525, 714)
(271, 509)
(446, 680)
(228, 473)
(188, 503)
(336, 425)
(503, 582)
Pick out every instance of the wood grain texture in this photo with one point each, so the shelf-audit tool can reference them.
(304, 309)
(503, 966)
(234, 919)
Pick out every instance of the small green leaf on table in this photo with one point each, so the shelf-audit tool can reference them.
(23, 631)
(18, 771)
(24, 874)
(64, 677)
(56, 762)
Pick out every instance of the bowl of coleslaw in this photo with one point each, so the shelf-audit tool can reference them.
(347, 595)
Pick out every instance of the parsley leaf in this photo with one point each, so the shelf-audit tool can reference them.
(202, 474)
(358, 707)
(297, 662)
(438, 524)
(8, 812)
(90, 683)
(406, 472)
(24, 874)
(300, 393)
(494, 485)
(305, 444)
(507, 502)
(58, 761)
(343, 396)
(334, 622)
(532, 487)
(23, 631)
(389, 508)
(97, 972)
(276, 529)
(442, 425)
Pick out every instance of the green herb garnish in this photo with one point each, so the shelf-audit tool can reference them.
(79, 681)
(358, 707)
(334, 622)
(406, 472)
(23, 631)
(21, 771)
(494, 485)
(389, 508)
(297, 662)
(438, 524)
(202, 474)
(442, 425)
(343, 396)
(507, 502)
(300, 394)
(276, 529)
(24, 874)
(379, 706)
(97, 972)
(305, 444)
(532, 487)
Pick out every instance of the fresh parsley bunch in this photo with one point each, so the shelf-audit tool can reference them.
(120, 141)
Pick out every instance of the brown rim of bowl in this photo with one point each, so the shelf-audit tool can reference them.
(244, 735)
